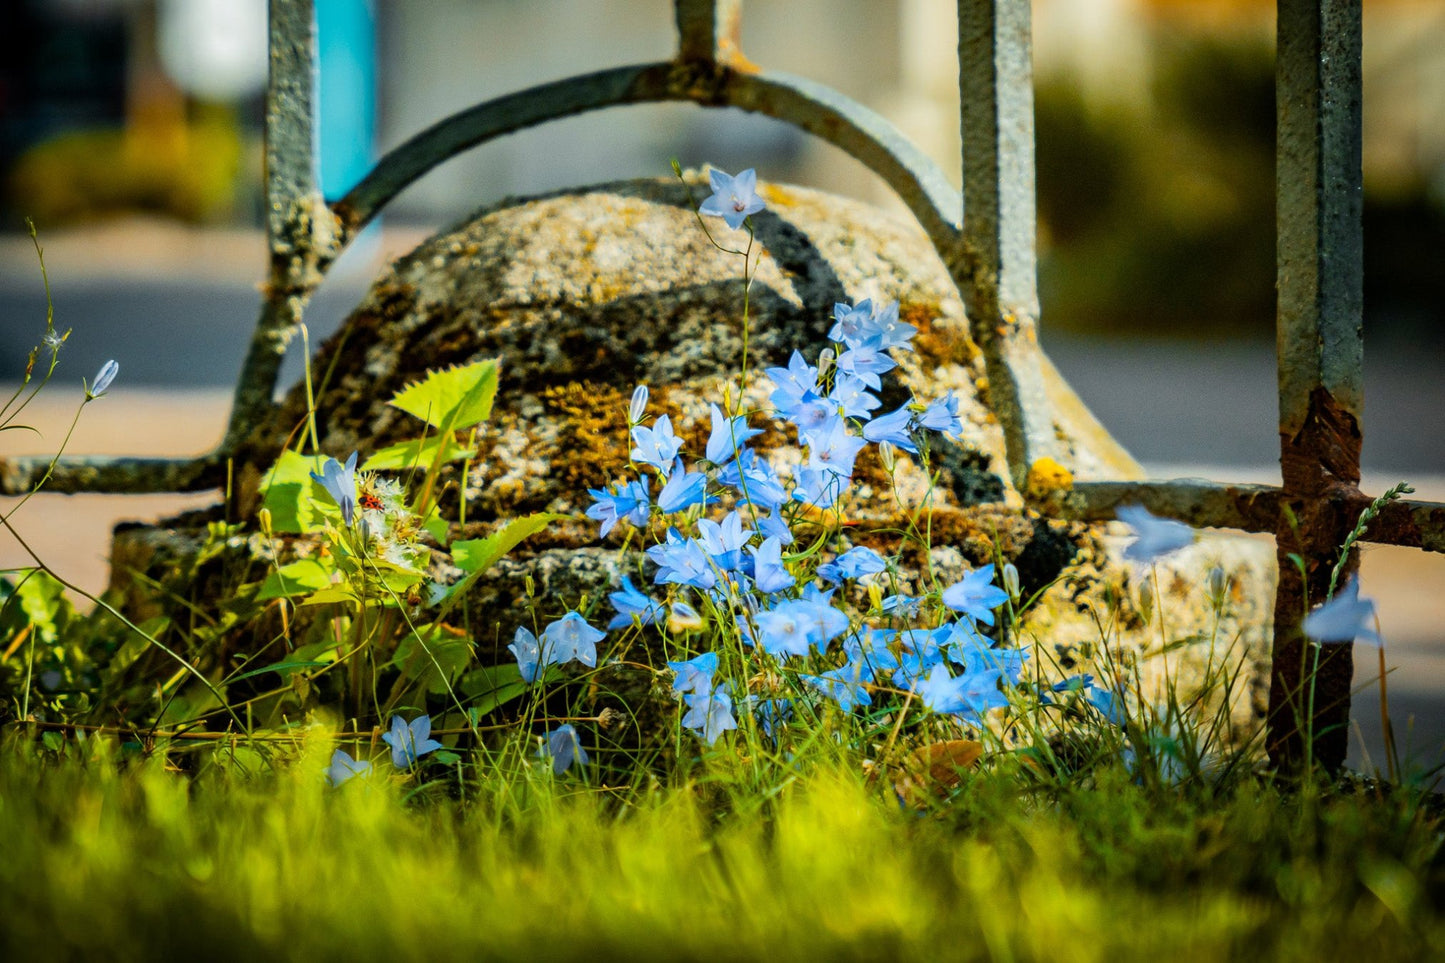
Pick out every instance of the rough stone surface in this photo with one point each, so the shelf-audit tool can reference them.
(584, 294)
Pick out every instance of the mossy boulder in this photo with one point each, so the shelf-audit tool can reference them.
(584, 294)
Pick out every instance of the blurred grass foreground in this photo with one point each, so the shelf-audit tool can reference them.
(120, 859)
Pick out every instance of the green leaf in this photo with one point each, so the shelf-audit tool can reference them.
(331, 595)
(41, 602)
(420, 453)
(299, 578)
(433, 657)
(493, 686)
(453, 399)
(437, 526)
(282, 669)
(294, 499)
(476, 555)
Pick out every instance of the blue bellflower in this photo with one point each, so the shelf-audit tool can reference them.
(783, 631)
(793, 382)
(682, 561)
(343, 768)
(564, 749)
(851, 322)
(728, 436)
(896, 428)
(834, 449)
(970, 695)
(867, 362)
(528, 653)
(1154, 537)
(888, 330)
(842, 685)
(724, 542)
(851, 396)
(709, 714)
(941, 414)
(656, 446)
(854, 563)
(683, 490)
(340, 483)
(769, 573)
(629, 500)
(733, 199)
(102, 381)
(570, 639)
(637, 407)
(1344, 618)
(694, 675)
(774, 525)
(631, 604)
(409, 740)
(976, 596)
(755, 480)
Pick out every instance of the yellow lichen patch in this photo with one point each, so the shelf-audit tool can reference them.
(1047, 479)
(939, 346)
(975, 532)
(591, 434)
(777, 196)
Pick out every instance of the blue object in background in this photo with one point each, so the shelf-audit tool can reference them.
(346, 98)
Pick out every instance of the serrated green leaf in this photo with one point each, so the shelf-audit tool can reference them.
(419, 453)
(294, 499)
(299, 578)
(452, 399)
(475, 555)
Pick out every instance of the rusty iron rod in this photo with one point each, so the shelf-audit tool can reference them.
(1320, 343)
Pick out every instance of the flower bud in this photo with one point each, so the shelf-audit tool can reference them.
(1146, 599)
(264, 518)
(888, 455)
(638, 407)
(1218, 583)
(1011, 580)
(825, 363)
(102, 381)
(531, 588)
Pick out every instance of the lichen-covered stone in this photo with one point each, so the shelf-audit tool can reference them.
(585, 294)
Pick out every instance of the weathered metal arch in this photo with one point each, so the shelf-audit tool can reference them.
(809, 106)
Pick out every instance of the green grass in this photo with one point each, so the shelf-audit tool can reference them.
(123, 859)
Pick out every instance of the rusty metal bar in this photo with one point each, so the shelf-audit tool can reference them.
(1202, 504)
(996, 271)
(708, 30)
(1319, 261)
